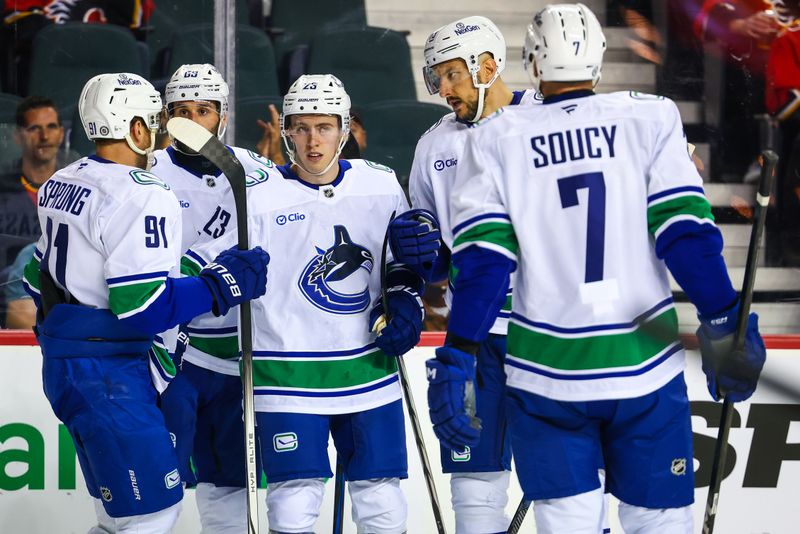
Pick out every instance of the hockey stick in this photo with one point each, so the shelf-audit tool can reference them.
(338, 498)
(519, 516)
(769, 160)
(412, 410)
(206, 144)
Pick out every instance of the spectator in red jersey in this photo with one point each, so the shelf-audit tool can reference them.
(743, 31)
(23, 18)
(782, 97)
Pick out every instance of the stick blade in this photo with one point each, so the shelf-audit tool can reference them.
(188, 132)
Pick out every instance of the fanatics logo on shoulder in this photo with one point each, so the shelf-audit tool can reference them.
(105, 493)
(461, 456)
(678, 466)
(285, 442)
(172, 479)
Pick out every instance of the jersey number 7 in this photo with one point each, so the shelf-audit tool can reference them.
(595, 220)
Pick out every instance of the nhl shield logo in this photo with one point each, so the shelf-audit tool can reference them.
(328, 192)
(678, 466)
(210, 182)
(105, 493)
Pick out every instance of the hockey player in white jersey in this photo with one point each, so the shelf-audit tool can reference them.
(203, 405)
(318, 368)
(591, 198)
(463, 64)
(101, 279)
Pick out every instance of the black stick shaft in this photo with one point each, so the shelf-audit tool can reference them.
(768, 164)
(409, 398)
(338, 499)
(519, 516)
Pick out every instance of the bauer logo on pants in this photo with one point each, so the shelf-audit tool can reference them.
(284, 442)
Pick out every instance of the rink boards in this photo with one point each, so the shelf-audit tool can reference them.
(42, 491)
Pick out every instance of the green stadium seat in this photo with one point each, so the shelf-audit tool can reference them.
(78, 142)
(8, 107)
(373, 63)
(248, 132)
(65, 56)
(393, 129)
(169, 17)
(255, 58)
(294, 24)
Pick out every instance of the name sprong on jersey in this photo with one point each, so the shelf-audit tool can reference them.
(64, 197)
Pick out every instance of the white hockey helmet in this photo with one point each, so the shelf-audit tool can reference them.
(465, 39)
(109, 103)
(564, 43)
(199, 81)
(317, 94)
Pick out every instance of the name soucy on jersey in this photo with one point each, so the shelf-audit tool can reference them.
(312, 350)
(433, 173)
(578, 192)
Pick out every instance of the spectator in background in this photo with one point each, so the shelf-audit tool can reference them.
(39, 133)
(782, 98)
(270, 144)
(743, 30)
(20, 308)
(22, 19)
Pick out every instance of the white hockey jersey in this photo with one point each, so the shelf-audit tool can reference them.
(199, 188)
(433, 173)
(111, 234)
(313, 351)
(576, 192)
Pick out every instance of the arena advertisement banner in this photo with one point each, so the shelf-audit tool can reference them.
(42, 491)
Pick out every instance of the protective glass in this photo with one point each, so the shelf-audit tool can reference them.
(302, 132)
(452, 75)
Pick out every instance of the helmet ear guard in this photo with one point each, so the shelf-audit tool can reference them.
(316, 94)
(466, 39)
(564, 43)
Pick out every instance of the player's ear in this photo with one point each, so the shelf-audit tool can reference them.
(488, 68)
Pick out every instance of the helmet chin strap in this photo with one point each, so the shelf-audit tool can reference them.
(481, 87)
(333, 160)
(148, 152)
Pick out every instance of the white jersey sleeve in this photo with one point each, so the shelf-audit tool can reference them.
(149, 224)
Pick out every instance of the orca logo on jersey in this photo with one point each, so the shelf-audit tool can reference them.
(441, 164)
(336, 280)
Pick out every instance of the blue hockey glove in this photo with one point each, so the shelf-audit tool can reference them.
(415, 240)
(732, 373)
(236, 276)
(405, 325)
(451, 398)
